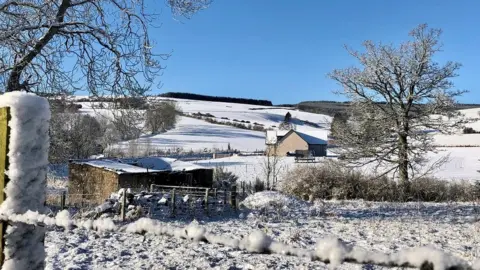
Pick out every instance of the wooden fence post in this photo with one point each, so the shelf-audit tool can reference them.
(4, 141)
(243, 189)
(206, 200)
(173, 202)
(63, 200)
(233, 197)
(124, 205)
(224, 197)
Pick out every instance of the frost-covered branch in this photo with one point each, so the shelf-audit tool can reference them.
(63, 46)
(398, 93)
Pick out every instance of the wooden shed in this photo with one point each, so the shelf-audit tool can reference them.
(294, 141)
(92, 181)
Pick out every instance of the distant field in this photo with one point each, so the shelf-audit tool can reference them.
(332, 107)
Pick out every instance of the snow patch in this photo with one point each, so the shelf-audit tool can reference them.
(264, 199)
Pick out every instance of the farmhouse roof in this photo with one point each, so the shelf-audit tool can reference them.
(311, 138)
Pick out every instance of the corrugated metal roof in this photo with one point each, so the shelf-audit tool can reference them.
(141, 165)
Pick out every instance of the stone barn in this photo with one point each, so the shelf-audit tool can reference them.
(92, 181)
(294, 141)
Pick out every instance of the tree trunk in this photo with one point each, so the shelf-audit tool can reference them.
(403, 165)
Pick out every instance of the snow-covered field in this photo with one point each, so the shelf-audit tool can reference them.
(197, 135)
(462, 164)
(193, 134)
(380, 227)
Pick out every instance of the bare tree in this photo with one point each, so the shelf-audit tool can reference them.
(398, 93)
(102, 46)
(74, 136)
(272, 166)
(128, 123)
(338, 121)
(161, 116)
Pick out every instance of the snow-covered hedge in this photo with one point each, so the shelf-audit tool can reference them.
(28, 161)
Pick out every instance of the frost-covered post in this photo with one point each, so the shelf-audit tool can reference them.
(26, 187)
(206, 200)
(63, 200)
(123, 210)
(173, 202)
(4, 134)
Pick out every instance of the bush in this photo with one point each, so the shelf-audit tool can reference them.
(161, 116)
(259, 185)
(332, 180)
(223, 179)
(469, 130)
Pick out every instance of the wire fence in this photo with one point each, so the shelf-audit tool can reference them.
(159, 202)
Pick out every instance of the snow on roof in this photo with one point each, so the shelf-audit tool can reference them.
(114, 166)
(142, 165)
(164, 164)
(282, 132)
(271, 137)
(312, 138)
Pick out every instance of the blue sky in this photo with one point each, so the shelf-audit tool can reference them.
(282, 50)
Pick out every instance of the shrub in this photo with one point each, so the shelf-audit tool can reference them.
(161, 116)
(259, 185)
(469, 130)
(224, 179)
(332, 180)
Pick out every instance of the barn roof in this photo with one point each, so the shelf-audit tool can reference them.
(164, 164)
(141, 165)
(113, 165)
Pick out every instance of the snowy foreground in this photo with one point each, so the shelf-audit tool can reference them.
(382, 227)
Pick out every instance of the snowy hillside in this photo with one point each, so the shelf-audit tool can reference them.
(463, 139)
(268, 116)
(193, 134)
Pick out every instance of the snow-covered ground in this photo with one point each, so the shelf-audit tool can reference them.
(462, 164)
(383, 227)
(380, 227)
(460, 139)
(193, 134)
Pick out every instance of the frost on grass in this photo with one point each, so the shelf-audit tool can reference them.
(28, 161)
